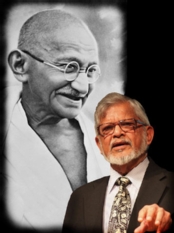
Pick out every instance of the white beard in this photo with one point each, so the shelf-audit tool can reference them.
(124, 159)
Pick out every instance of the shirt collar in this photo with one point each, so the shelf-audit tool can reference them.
(135, 175)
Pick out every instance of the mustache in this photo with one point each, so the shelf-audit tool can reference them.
(70, 92)
(120, 142)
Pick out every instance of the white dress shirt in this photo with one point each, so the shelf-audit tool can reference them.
(135, 176)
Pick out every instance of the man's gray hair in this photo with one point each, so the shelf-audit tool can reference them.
(117, 98)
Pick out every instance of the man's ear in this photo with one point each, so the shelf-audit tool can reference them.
(19, 64)
(97, 140)
(150, 134)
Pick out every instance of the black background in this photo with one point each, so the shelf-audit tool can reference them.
(150, 72)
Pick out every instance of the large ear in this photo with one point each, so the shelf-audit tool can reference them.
(97, 140)
(18, 63)
(150, 134)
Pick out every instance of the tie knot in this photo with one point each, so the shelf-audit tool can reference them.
(123, 181)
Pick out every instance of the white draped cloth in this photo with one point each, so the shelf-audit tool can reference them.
(37, 187)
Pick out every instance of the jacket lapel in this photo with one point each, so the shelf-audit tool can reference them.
(94, 207)
(150, 192)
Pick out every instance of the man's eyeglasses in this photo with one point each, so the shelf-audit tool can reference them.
(126, 125)
(72, 69)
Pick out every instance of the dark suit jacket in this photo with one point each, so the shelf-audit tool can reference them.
(85, 208)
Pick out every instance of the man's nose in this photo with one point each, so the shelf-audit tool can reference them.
(81, 83)
(117, 131)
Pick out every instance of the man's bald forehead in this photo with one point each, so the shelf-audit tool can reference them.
(44, 24)
(53, 18)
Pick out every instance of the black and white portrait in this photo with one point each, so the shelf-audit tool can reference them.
(59, 60)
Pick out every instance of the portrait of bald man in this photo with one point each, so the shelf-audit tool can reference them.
(49, 142)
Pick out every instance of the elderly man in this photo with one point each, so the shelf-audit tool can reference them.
(49, 146)
(138, 195)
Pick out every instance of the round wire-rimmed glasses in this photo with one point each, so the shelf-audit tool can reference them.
(126, 125)
(72, 69)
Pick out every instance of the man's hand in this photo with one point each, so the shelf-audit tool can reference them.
(153, 218)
